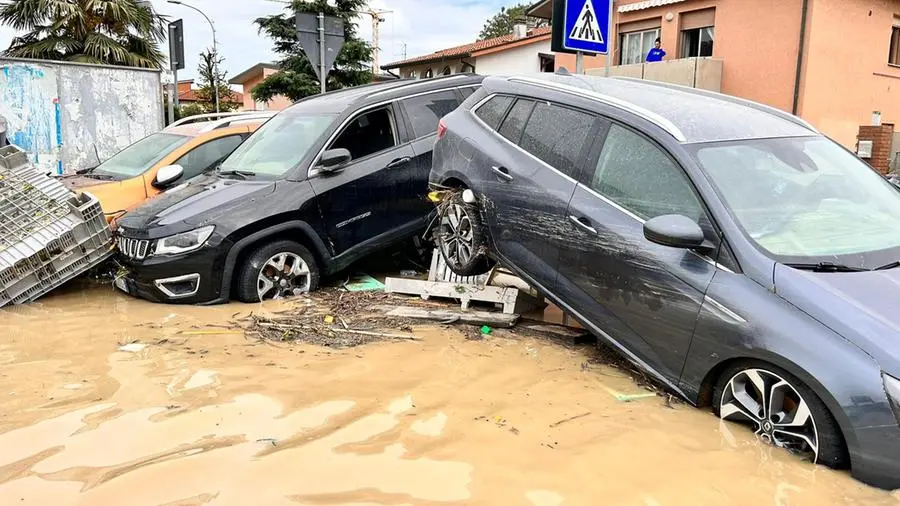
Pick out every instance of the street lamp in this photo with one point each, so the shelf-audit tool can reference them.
(215, 69)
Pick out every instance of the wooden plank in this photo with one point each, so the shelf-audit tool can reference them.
(448, 316)
(462, 292)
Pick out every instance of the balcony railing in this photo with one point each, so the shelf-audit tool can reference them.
(703, 73)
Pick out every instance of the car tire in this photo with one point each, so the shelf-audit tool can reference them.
(738, 390)
(260, 277)
(461, 237)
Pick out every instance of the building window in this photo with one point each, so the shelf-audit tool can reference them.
(697, 42)
(447, 71)
(428, 73)
(894, 56)
(636, 45)
(548, 62)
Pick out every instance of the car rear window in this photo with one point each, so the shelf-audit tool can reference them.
(425, 111)
(492, 111)
(514, 124)
(557, 135)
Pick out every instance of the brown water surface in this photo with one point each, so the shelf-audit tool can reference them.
(192, 414)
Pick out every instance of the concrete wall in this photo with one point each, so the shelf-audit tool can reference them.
(846, 75)
(703, 73)
(64, 115)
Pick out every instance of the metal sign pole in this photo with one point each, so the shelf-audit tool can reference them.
(323, 74)
(608, 63)
(579, 62)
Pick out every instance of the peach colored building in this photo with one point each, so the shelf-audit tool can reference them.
(248, 80)
(847, 67)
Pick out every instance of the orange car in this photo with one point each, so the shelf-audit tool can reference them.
(165, 159)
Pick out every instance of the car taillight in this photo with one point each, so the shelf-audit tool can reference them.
(442, 129)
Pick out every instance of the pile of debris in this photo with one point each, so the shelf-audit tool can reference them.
(48, 234)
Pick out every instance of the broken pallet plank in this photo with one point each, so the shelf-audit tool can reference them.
(464, 293)
(448, 316)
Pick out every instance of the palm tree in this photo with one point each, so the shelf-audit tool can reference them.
(112, 32)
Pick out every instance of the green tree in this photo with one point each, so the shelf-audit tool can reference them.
(210, 71)
(502, 23)
(297, 79)
(113, 32)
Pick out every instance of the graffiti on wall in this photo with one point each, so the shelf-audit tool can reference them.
(69, 116)
(30, 106)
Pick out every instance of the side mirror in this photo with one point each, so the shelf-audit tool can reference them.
(675, 231)
(168, 175)
(334, 159)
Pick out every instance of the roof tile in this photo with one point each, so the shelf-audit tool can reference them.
(467, 49)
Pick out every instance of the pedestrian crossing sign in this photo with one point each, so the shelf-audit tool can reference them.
(587, 25)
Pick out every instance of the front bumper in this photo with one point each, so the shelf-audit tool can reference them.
(191, 278)
(877, 459)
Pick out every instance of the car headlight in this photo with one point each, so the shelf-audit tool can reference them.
(183, 242)
(892, 387)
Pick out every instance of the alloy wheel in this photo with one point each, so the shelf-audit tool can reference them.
(774, 409)
(457, 235)
(283, 275)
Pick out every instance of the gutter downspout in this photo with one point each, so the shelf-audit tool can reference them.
(799, 75)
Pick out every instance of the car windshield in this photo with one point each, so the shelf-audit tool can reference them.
(140, 156)
(806, 199)
(279, 145)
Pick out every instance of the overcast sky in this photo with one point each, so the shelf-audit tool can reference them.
(438, 24)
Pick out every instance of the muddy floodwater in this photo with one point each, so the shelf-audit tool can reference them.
(187, 413)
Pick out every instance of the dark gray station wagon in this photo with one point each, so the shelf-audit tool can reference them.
(734, 252)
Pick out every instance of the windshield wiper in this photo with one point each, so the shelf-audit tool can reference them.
(104, 177)
(242, 173)
(827, 267)
(885, 267)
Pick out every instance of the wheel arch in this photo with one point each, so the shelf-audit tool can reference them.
(298, 231)
(707, 386)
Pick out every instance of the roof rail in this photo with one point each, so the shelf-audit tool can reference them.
(728, 98)
(650, 116)
(420, 82)
(210, 116)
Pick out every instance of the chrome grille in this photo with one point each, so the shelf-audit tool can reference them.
(133, 248)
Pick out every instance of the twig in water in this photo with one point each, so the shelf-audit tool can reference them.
(566, 420)
(378, 334)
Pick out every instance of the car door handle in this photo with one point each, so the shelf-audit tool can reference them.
(583, 223)
(503, 172)
(398, 162)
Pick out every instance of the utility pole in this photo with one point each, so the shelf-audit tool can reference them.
(376, 20)
(215, 64)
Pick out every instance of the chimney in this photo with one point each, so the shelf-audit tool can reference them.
(520, 30)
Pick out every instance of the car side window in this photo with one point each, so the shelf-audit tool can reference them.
(557, 135)
(637, 175)
(206, 156)
(468, 90)
(492, 111)
(425, 111)
(514, 123)
(368, 134)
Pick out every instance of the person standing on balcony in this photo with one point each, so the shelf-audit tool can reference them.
(655, 54)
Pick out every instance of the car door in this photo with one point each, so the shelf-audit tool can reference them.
(355, 200)
(644, 296)
(533, 183)
(422, 113)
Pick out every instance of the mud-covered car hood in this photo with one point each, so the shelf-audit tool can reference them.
(860, 306)
(197, 202)
(78, 182)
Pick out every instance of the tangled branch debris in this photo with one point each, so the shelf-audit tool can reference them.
(333, 319)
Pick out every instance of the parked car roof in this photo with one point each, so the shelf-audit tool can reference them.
(689, 115)
(337, 101)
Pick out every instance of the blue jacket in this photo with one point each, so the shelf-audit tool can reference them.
(655, 54)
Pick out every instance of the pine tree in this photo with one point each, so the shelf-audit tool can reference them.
(297, 79)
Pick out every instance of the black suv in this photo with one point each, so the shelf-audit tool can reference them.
(320, 185)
